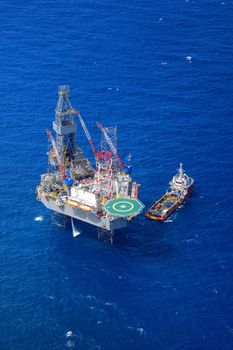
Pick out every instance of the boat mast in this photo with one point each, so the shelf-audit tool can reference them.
(181, 172)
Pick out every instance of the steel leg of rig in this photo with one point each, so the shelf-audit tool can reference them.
(59, 219)
(105, 235)
(111, 236)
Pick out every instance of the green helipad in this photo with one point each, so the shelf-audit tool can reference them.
(123, 207)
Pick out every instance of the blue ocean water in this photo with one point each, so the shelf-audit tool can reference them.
(163, 72)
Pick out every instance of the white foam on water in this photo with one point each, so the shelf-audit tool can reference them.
(39, 218)
(190, 240)
(129, 327)
(113, 88)
(90, 297)
(109, 303)
(69, 334)
(70, 344)
(140, 330)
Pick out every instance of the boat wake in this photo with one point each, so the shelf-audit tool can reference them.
(168, 221)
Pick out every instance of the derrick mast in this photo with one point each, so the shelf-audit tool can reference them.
(64, 125)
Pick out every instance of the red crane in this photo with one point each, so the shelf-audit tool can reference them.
(98, 154)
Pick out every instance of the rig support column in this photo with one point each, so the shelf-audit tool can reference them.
(105, 235)
(59, 219)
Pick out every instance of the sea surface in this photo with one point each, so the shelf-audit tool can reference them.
(163, 72)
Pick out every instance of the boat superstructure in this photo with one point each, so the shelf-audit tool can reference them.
(104, 196)
(181, 184)
(180, 189)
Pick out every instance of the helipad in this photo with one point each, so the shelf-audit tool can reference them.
(123, 207)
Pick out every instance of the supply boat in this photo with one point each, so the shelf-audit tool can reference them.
(180, 189)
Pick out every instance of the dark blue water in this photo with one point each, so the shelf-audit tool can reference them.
(163, 72)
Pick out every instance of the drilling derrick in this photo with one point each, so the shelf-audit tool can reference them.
(64, 124)
(105, 197)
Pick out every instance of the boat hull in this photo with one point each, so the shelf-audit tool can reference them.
(159, 212)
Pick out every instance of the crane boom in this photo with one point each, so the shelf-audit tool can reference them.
(98, 154)
(111, 145)
(84, 129)
(59, 160)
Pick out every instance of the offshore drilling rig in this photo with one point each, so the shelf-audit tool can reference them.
(105, 196)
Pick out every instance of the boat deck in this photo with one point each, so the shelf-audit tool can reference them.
(161, 208)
